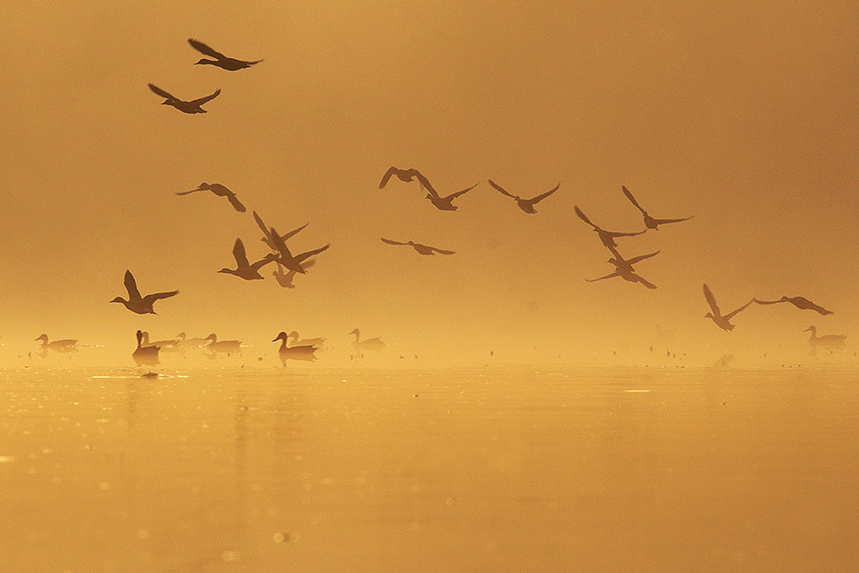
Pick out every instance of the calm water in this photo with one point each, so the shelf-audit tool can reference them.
(471, 470)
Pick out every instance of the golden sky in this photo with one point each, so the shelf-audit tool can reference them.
(744, 115)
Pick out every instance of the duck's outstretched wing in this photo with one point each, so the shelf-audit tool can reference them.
(390, 242)
(403, 174)
(711, 300)
(643, 281)
(237, 205)
(207, 50)
(500, 189)
(453, 196)
(301, 257)
(442, 251)
(150, 298)
(640, 258)
(162, 93)
(539, 198)
(631, 198)
(240, 254)
(202, 100)
(666, 221)
(583, 217)
(131, 286)
(608, 276)
(799, 302)
(731, 315)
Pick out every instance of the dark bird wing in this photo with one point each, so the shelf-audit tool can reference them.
(666, 221)
(302, 256)
(191, 191)
(390, 242)
(150, 298)
(131, 286)
(614, 274)
(539, 198)
(201, 47)
(237, 205)
(280, 245)
(426, 184)
(643, 281)
(293, 232)
(730, 315)
(500, 189)
(239, 254)
(203, 100)
(266, 233)
(631, 198)
(161, 92)
(442, 251)
(711, 300)
(458, 193)
(583, 217)
(640, 258)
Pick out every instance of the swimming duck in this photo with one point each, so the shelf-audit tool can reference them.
(607, 237)
(137, 303)
(829, 342)
(67, 345)
(371, 344)
(171, 345)
(224, 346)
(422, 249)
(649, 221)
(145, 355)
(285, 279)
(799, 302)
(185, 343)
(526, 205)
(243, 268)
(297, 341)
(220, 191)
(304, 352)
(221, 61)
(193, 106)
(722, 321)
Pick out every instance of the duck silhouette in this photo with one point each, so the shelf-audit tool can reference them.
(220, 191)
(193, 106)
(227, 347)
(626, 264)
(285, 279)
(268, 238)
(799, 302)
(296, 340)
(171, 345)
(371, 344)
(66, 345)
(137, 303)
(244, 269)
(649, 221)
(145, 355)
(185, 343)
(303, 352)
(408, 175)
(422, 249)
(828, 342)
(626, 275)
(607, 237)
(722, 321)
(221, 61)
(526, 205)
(286, 258)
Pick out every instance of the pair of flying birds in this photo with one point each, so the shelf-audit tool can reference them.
(723, 321)
(220, 61)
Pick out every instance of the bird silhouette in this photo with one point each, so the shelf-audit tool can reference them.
(303, 352)
(285, 279)
(193, 106)
(224, 346)
(145, 355)
(626, 275)
(220, 191)
(829, 342)
(137, 303)
(171, 345)
(286, 258)
(722, 321)
(371, 344)
(799, 302)
(244, 269)
(626, 264)
(185, 343)
(66, 345)
(526, 205)
(221, 61)
(649, 221)
(296, 340)
(607, 237)
(407, 175)
(422, 249)
(268, 238)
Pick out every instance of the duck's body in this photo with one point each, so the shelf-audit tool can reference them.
(65, 345)
(607, 237)
(296, 340)
(286, 258)
(649, 221)
(145, 355)
(186, 343)
(220, 191)
(799, 302)
(171, 345)
(140, 304)
(227, 347)
(722, 321)
(422, 249)
(220, 61)
(526, 205)
(828, 342)
(303, 352)
(626, 265)
(193, 106)
(445, 203)
(371, 344)
(244, 269)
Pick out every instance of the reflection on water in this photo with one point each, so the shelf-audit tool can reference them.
(429, 470)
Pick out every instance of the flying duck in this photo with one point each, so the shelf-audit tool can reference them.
(607, 237)
(407, 175)
(422, 249)
(268, 238)
(220, 191)
(221, 61)
(193, 106)
(526, 205)
(799, 302)
(722, 321)
(244, 269)
(287, 259)
(649, 221)
(285, 279)
(137, 303)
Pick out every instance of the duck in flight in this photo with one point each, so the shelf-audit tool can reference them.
(302, 352)
(649, 221)
(244, 269)
(285, 279)
(829, 342)
(220, 191)
(408, 175)
(286, 258)
(137, 303)
(526, 205)
(626, 264)
(722, 321)
(193, 106)
(799, 302)
(607, 237)
(66, 345)
(422, 249)
(626, 274)
(268, 238)
(221, 61)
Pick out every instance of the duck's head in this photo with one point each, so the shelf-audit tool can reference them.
(281, 336)
(43, 337)
(812, 329)
(118, 299)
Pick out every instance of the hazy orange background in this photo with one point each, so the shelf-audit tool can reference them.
(743, 116)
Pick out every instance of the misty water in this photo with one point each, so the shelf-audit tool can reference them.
(483, 468)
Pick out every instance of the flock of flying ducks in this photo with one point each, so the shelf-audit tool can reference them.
(289, 265)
